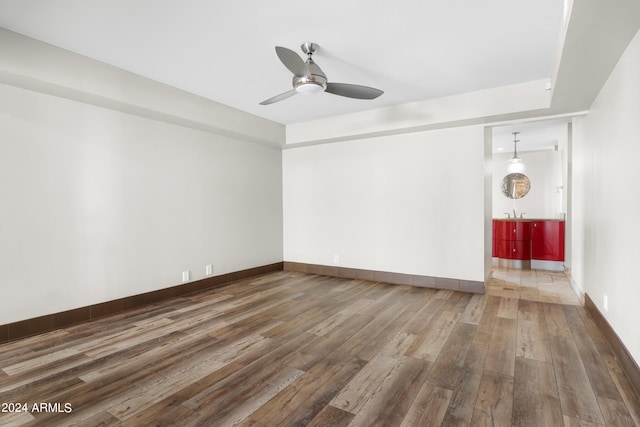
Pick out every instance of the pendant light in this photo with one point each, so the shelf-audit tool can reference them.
(515, 158)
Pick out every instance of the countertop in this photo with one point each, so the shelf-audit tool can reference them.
(527, 219)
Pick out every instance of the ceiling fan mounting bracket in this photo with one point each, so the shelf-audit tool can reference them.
(309, 48)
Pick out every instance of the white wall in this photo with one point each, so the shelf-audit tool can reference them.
(605, 204)
(544, 200)
(31, 64)
(98, 204)
(409, 203)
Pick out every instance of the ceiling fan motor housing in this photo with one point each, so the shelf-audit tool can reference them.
(312, 83)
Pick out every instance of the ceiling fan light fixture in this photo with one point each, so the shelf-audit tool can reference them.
(309, 88)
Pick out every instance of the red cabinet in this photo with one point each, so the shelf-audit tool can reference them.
(547, 240)
(526, 240)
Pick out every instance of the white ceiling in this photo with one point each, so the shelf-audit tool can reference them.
(532, 136)
(224, 50)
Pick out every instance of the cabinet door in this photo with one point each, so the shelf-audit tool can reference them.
(521, 230)
(521, 250)
(512, 230)
(504, 230)
(547, 240)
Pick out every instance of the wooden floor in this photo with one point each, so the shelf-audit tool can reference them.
(289, 349)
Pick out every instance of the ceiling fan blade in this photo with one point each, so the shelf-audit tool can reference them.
(280, 97)
(353, 91)
(292, 61)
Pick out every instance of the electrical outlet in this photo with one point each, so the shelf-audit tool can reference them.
(336, 259)
(208, 269)
(606, 303)
(185, 276)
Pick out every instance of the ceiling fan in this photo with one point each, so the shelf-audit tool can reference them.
(308, 78)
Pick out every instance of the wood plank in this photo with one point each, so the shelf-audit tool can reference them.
(447, 369)
(154, 389)
(16, 418)
(429, 344)
(36, 362)
(487, 320)
(317, 349)
(494, 404)
(132, 336)
(230, 387)
(27, 348)
(373, 341)
(334, 321)
(355, 395)
(330, 416)
(473, 313)
(462, 402)
(397, 346)
(101, 419)
(577, 396)
(153, 416)
(556, 321)
(307, 395)
(597, 326)
(429, 407)
(390, 293)
(194, 306)
(297, 321)
(501, 357)
(615, 413)
(393, 348)
(457, 302)
(114, 371)
(171, 408)
(508, 308)
(535, 395)
(629, 396)
(444, 294)
(253, 398)
(317, 393)
(532, 342)
(391, 402)
(421, 319)
(575, 422)
(596, 369)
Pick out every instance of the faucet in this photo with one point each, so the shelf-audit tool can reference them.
(514, 213)
(508, 214)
